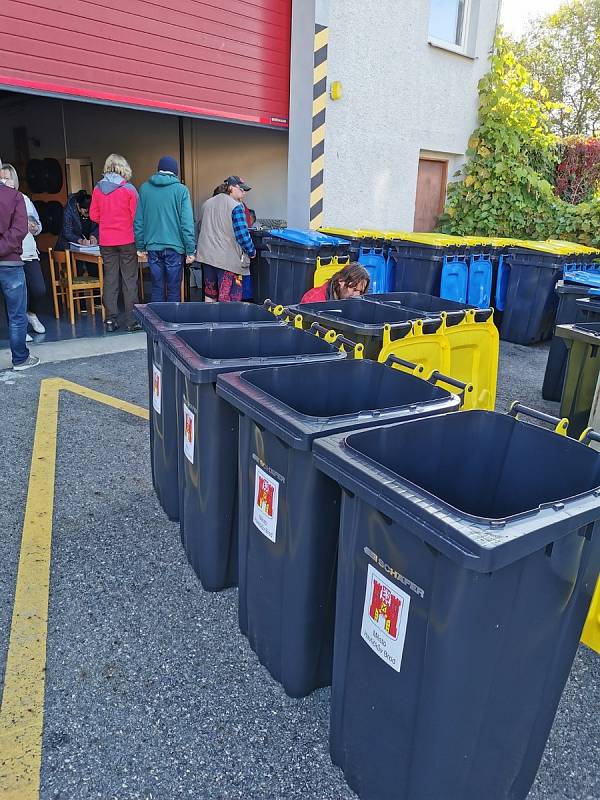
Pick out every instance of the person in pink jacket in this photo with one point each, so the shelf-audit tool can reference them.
(113, 206)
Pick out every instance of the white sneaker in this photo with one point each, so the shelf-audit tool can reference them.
(35, 323)
(32, 361)
(28, 338)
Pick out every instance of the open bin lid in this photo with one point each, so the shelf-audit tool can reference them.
(588, 332)
(574, 247)
(201, 354)
(156, 317)
(481, 487)
(302, 402)
(356, 233)
(357, 314)
(307, 238)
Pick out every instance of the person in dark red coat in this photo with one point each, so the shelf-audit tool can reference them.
(351, 281)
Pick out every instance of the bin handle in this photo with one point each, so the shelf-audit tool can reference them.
(280, 311)
(416, 369)
(354, 347)
(589, 435)
(276, 310)
(292, 315)
(333, 337)
(464, 388)
(560, 425)
(320, 329)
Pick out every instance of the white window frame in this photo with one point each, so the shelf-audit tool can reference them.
(463, 48)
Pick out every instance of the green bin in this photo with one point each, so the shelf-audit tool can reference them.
(583, 366)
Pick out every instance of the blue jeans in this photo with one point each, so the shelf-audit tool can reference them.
(14, 289)
(166, 269)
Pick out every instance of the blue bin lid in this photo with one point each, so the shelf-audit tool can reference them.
(307, 237)
(583, 277)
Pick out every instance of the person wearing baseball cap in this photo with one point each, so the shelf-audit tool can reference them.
(235, 180)
(225, 246)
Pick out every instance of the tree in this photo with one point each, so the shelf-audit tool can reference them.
(508, 179)
(562, 52)
(507, 182)
(578, 174)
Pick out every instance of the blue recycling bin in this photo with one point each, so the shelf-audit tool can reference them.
(454, 281)
(479, 290)
(207, 432)
(156, 319)
(288, 260)
(469, 551)
(289, 512)
(379, 267)
(467, 279)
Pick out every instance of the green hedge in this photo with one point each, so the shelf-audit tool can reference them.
(505, 186)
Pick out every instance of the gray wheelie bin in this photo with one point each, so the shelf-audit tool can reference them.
(469, 551)
(289, 512)
(156, 318)
(207, 432)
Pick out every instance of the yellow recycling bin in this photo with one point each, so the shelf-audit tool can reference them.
(591, 629)
(327, 267)
(468, 351)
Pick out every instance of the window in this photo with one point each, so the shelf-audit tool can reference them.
(448, 22)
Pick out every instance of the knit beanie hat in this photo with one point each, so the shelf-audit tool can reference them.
(168, 164)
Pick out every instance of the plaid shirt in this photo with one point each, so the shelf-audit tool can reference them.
(240, 229)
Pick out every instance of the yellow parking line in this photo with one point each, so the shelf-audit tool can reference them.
(22, 710)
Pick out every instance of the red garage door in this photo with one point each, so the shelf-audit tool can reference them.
(227, 59)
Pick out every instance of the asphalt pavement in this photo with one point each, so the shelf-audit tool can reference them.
(151, 690)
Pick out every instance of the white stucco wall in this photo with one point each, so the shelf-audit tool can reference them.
(400, 96)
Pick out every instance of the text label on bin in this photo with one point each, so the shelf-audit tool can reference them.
(385, 617)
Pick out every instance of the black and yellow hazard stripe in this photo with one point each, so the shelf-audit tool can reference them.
(318, 126)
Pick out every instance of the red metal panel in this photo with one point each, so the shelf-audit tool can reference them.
(216, 58)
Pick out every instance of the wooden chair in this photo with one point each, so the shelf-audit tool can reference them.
(58, 277)
(84, 288)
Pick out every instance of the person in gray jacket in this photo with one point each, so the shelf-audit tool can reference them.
(224, 244)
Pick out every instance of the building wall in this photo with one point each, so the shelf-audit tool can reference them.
(259, 155)
(401, 96)
(228, 60)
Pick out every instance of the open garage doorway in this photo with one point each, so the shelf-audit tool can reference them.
(59, 147)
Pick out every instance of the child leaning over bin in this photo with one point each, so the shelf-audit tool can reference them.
(352, 281)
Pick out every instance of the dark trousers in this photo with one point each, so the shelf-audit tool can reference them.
(36, 288)
(14, 289)
(120, 261)
(166, 269)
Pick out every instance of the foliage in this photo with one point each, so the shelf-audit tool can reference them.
(562, 51)
(507, 186)
(578, 174)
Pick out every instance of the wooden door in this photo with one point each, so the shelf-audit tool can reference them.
(431, 193)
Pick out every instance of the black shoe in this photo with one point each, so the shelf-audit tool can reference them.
(111, 326)
(134, 328)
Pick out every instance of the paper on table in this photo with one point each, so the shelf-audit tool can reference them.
(92, 249)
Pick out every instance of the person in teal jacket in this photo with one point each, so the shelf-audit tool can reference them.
(164, 229)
